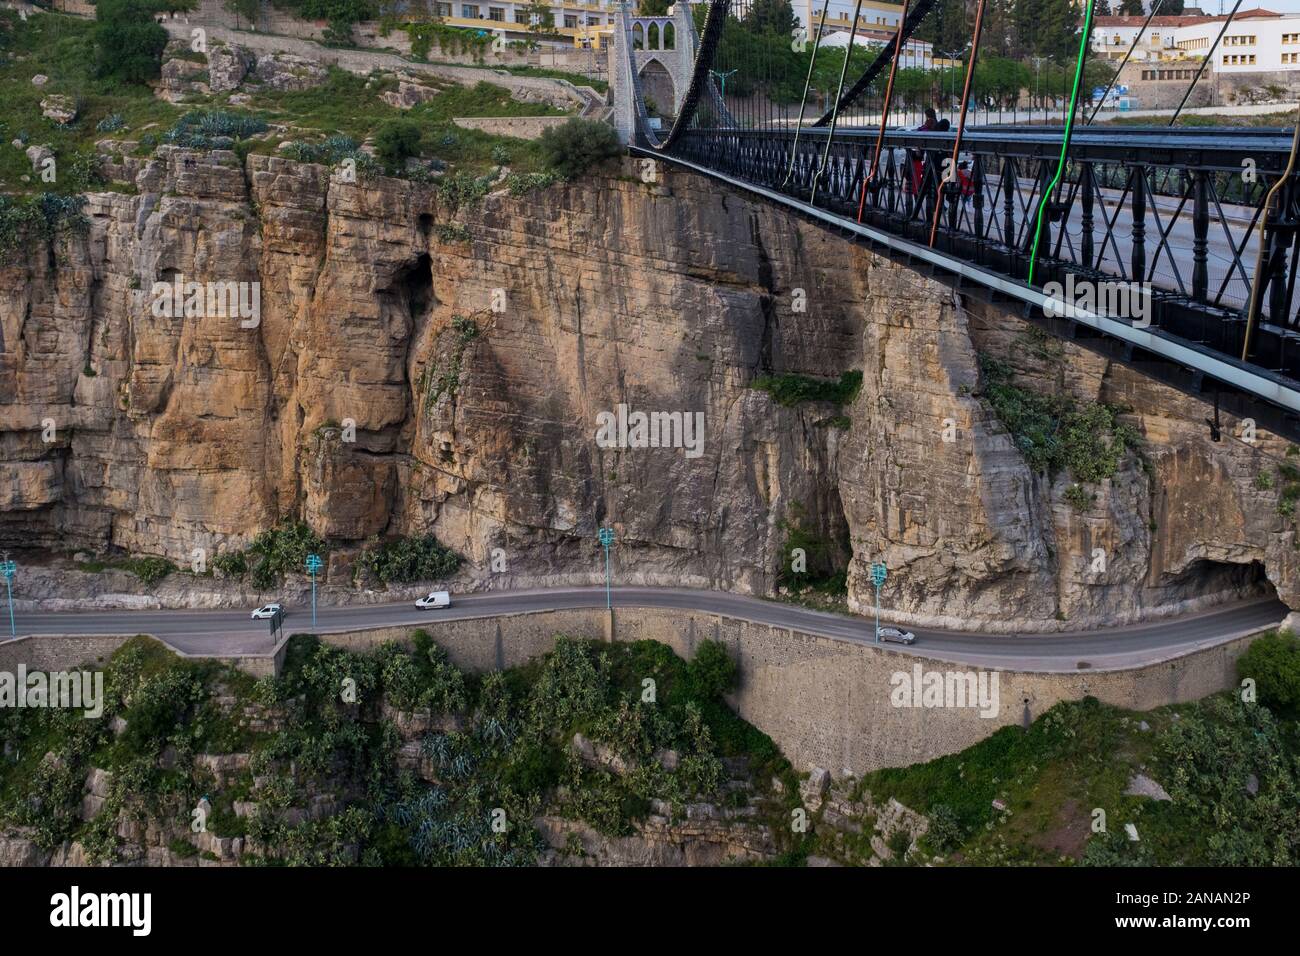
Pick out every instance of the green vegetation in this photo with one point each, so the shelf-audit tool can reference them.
(573, 147)
(128, 42)
(1049, 31)
(1232, 769)
(148, 568)
(1053, 432)
(213, 129)
(347, 107)
(62, 48)
(274, 553)
(448, 39)
(442, 376)
(323, 728)
(341, 14)
(407, 560)
(38, 219)
(396, 141)
(790, 389)
(821, 566)
(1078, 497)
(1273, 662)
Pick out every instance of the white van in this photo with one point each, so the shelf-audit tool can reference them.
(434, 599)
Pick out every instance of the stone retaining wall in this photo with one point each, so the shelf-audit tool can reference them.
(824, 701)
(521, 127)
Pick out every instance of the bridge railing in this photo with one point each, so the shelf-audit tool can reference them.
(1176, 212)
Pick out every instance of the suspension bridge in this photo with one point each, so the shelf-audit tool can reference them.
(1200, 223)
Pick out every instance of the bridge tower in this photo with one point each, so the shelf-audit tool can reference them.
(662, 54)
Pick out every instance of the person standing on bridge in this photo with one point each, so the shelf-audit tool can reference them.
(917, 158)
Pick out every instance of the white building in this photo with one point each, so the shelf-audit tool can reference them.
(918, 54)
(1257, 41)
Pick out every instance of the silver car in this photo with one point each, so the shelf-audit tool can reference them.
(895, 635)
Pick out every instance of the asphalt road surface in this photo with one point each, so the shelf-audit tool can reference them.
(226, 632)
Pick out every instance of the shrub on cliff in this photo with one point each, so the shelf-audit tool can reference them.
(1273, 662)
(711, 671)
(396, 141)
(573, 147)
(406, 560)
(128, 43)
(277, 551)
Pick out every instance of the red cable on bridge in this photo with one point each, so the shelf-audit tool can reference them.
(961, 123)
(870, 173)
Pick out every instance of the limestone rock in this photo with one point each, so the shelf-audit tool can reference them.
(1143, 786)
(201, 433)
(227, 67)
(408, 93)
(180, 78)
(37, 155)
(59, 108)
(287, 72)
(814, 788)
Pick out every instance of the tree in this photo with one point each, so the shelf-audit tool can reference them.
(1273, 662)
(771, 16)
(1131, 8)
(1000, 79)
(396, 141)
(653, 8)
(540, 17)
(711, 671)
(572, 147)
(946, 28)
(128, 43)
(245, 9)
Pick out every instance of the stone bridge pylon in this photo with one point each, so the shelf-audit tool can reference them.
(662, 54)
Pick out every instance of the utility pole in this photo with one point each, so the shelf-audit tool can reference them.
(722, 81)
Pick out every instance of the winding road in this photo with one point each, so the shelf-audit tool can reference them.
(232, 632)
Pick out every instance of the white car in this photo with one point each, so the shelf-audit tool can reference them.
(267, 611)
(434, 599)
(896, 636)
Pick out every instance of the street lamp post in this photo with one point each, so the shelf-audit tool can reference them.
(1038, 72)
(606, 536)
(8, 568)
(878, 574)
(314, 564)
(722, 81)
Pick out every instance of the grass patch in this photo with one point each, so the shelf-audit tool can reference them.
(61, 47)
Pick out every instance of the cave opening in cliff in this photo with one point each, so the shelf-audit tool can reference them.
(413, 286)
(1205, 577)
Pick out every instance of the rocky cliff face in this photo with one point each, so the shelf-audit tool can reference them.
(473, 371)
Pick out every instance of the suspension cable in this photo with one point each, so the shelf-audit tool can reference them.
(714, 22)
(807, 84)
(1155, 8)
(826, 153)
(1065, 140)
(961, 123)
(919, 12)
(1257, 281)
(870, 173)
(1205, 62)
